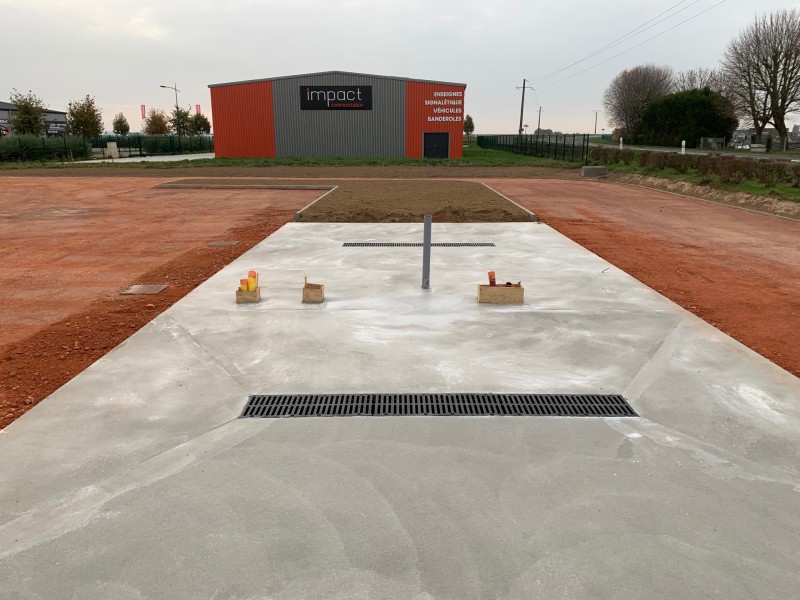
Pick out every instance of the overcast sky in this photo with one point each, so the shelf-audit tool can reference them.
(120, 51)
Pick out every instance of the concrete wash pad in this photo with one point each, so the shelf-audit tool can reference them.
(136, 479)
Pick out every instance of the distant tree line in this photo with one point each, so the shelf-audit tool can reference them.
(85, 118)
(757, 84)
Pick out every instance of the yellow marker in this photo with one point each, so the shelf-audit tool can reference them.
(243, 285)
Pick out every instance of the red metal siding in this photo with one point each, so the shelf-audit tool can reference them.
(244, 121)
(421, 117)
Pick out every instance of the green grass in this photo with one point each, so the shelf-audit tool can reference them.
(473, 157)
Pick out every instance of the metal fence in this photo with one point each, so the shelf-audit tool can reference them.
(23, 148)
(570, 148)
(149, 145)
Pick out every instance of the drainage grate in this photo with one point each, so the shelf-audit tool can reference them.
(444, 405)
(141, 289)
(416, 244)
(223, 243)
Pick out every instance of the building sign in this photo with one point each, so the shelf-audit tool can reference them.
(445, 106)
(335, 97)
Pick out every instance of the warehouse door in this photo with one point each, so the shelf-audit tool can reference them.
(437, 145)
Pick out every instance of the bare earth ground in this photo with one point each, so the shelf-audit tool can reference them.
(68, 245)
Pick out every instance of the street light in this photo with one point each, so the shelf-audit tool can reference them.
(175, 87)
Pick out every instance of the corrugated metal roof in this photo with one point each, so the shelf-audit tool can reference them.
(9, 106)
(211, 85)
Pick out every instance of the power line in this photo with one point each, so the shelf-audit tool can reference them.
(633, 47)
(631, 34)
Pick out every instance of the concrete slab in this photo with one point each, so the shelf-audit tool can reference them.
(136, 480)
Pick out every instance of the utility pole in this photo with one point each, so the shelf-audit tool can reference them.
(539, 124)
(522, 107)
(595, 120)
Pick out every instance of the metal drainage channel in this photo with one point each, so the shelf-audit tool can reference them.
(440, 405)
(416, 244)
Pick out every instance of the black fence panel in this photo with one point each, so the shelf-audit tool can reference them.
(572, 148)
(67, 148)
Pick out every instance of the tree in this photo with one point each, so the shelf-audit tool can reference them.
(156, 122)
(697, 79)
(28, 119)
(762, 66)
(199, 123)
(84, 118)
(688, 116)
(469, 125)
(180, 121)
(628, 95)
(120, 124)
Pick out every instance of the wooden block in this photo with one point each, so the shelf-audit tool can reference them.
(501, 294)
(313, 293)
(245, 297)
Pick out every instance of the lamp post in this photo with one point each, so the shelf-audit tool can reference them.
(175, 87)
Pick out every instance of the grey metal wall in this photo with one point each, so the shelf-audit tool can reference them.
(377, 132)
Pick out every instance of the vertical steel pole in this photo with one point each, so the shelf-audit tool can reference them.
(426, 253)
(522, 106)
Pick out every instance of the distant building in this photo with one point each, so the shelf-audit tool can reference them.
(55, 120)
(338, 113)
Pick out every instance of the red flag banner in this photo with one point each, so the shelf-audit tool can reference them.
(197, 108)
(144, 112)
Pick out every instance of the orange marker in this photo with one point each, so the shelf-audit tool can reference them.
(492, 280)
(243, 285)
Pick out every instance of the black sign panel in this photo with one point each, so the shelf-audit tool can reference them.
(335, 97)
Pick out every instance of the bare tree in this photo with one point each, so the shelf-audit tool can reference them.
(763, 64)
(626, 98)
(697, 79)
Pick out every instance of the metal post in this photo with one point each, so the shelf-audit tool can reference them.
(522, 106)
(426, 253)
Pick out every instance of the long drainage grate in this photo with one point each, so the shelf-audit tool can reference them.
(443, 405)
(416, 244)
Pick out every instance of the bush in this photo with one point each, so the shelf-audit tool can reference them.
(656, 161)
(794, 173)
(729, 171)
(706, 165)
(771, 172)
(681, 162)
(626, 156)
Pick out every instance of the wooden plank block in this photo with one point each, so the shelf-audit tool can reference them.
(501, 294)
(245, 297)
(313, 293)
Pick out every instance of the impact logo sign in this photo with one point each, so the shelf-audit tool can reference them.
(336, 97)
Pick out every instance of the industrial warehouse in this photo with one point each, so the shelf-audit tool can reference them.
(336, 113)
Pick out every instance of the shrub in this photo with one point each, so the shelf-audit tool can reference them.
(729, 171)
(656, 161)
(770, 172)
(626, 156)
(706, 165)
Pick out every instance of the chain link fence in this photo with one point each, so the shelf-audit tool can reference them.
(572, 148)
